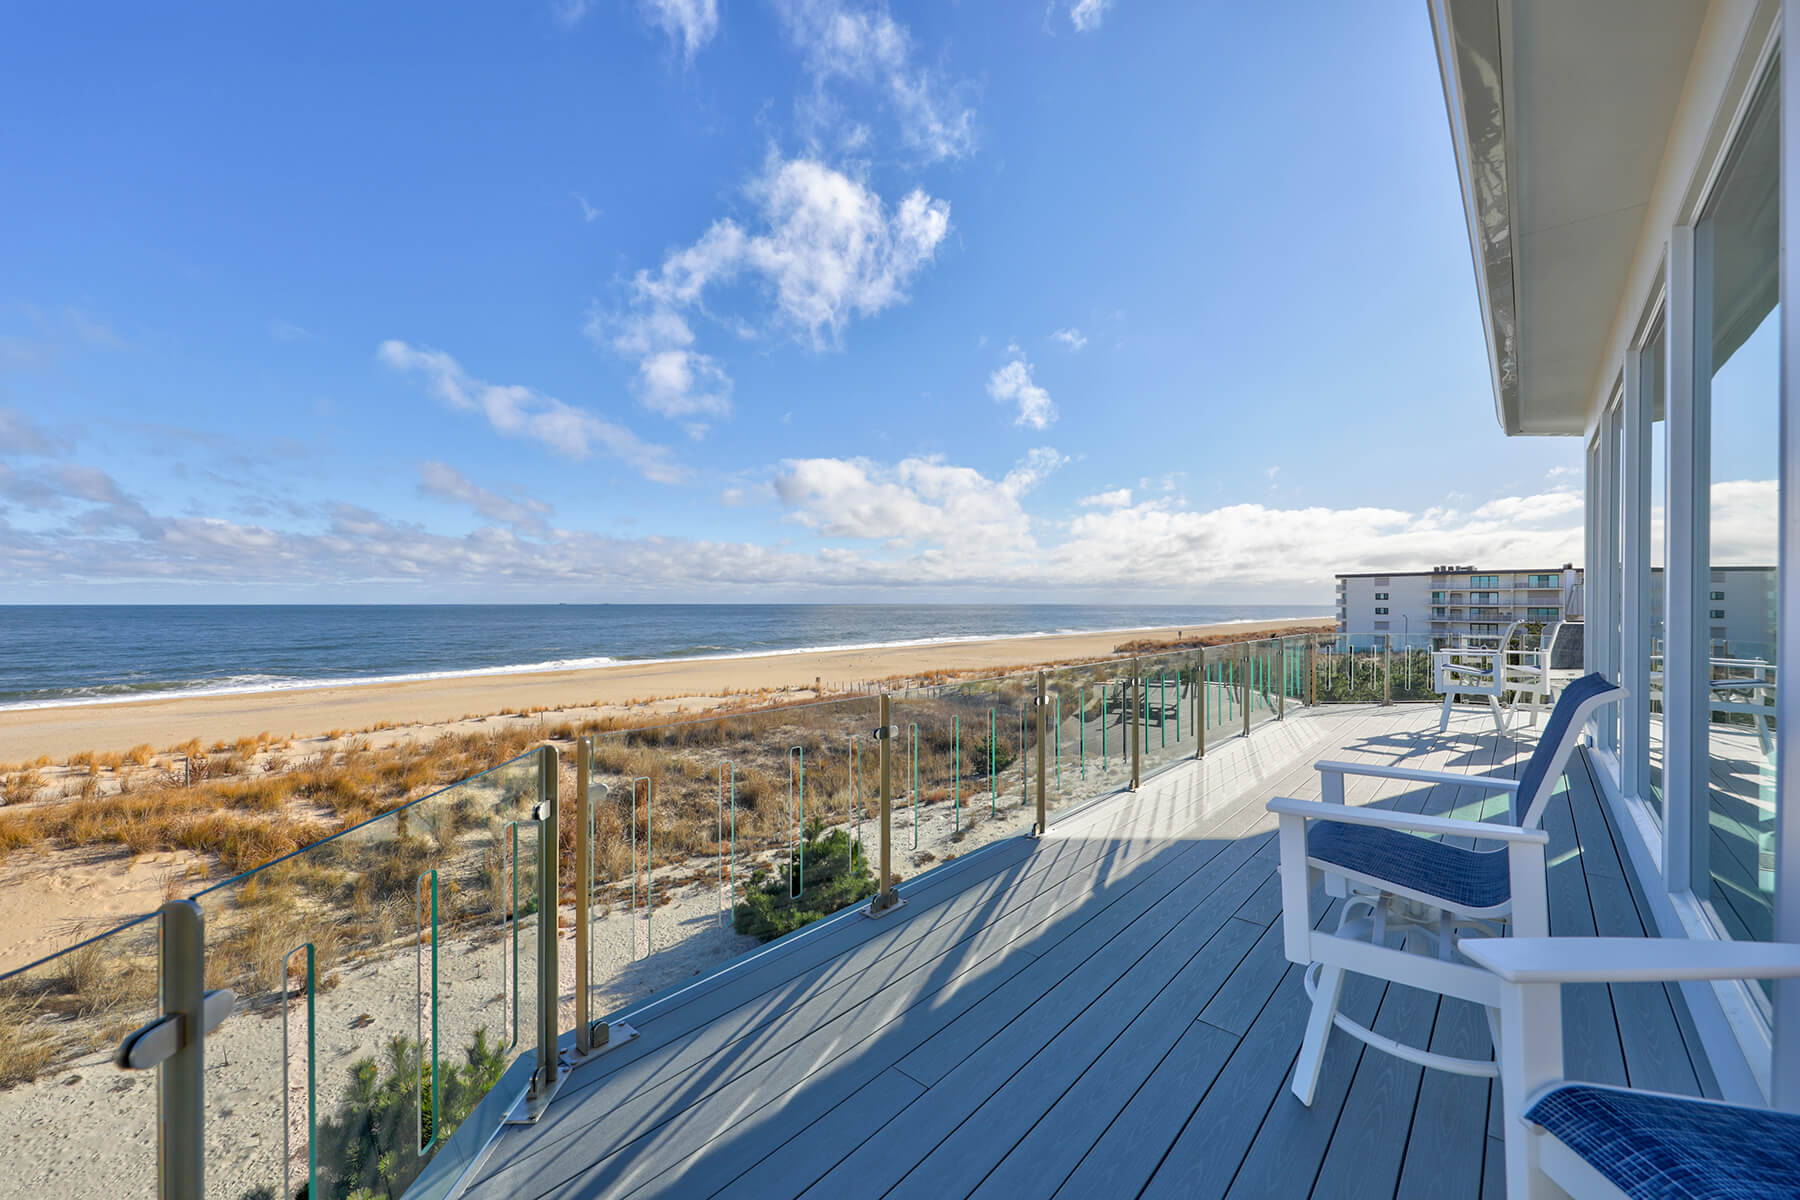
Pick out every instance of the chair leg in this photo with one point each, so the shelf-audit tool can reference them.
(1499, 721)
(1318, 1030)
(1444, 720)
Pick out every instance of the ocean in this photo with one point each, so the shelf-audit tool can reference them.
(56, 654)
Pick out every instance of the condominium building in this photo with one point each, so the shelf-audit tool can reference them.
(1448, 602)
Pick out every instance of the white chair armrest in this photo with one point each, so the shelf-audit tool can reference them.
(1630, 960)
(1494, 783)
(1318, 810)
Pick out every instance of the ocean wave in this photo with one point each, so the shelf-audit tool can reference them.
(244, 685)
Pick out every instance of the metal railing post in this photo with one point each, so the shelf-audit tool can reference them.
(1200, 702)
(548, 1075)
(585, 1042)
(887, 896)
(181, 1078)
(1246, 683)
(1136, 722)
(1042, 806)
(1387, 668)
(1281, 680)
(1312, 671)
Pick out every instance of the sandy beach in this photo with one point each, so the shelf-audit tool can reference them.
(25, 734)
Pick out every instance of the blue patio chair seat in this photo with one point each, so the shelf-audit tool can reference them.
(1652, 1145)
(1468, 879)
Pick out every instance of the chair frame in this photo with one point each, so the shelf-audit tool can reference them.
(1530, 973)
(1451, 679)
(1375, 909)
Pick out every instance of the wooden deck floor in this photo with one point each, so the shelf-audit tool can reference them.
(1105, 1012)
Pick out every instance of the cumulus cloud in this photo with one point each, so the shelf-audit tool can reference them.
(444, 481)
(823, 249)
(1086, 15)
(1012, 384)
(518, 411)
(861, 46)
(1118, 498)
(1071, 337)
(688, 24)
(917, 501)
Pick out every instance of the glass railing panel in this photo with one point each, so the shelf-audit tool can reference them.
(384, 980)
(965, 749)
(1293, 671)
(1411, 669)
(709, 837)
(1168, 708)
(78, 1126)
(1263, 667)
(1222, 697)
(1088, 755)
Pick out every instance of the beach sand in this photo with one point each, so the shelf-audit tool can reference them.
(25, 734)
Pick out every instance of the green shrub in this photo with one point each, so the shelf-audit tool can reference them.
(1002, 753)
(836, 876)
(370, 1149)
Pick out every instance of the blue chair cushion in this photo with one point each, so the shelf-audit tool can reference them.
(1556, 730)
(1466, 879)
(1647, 1144)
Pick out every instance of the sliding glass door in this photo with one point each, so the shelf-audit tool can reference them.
(1737, 432)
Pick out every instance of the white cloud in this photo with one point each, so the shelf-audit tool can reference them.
(1072, 338)
(1117, 498)
(689, 24)
(19, 434)
(1012, 384)
(917, 501)
(1086, 15)
(1743, 525)
(444, 481)
(568, 13)
(589, 214)
(824, 249)
(862, 44)
(288, 331)
(920, 524)
(518, 411)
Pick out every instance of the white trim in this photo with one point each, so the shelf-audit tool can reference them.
(1785, 1048)
(1732, 1037)
(1634, 589)
(1684, 779)
(1735, 39)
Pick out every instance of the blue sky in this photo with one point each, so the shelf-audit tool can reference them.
(703, 300)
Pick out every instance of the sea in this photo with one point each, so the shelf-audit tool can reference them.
(97, 654)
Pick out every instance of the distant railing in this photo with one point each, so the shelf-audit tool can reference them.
(382, 1002)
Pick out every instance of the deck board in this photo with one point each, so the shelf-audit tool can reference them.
(1105, 1011)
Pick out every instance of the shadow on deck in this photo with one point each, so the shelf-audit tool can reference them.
(1103, 1012)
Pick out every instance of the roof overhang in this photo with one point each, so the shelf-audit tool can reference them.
(1559, 113)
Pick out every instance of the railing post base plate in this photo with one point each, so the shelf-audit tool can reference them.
(875, 908)
(606, 1036)
(537, 1097)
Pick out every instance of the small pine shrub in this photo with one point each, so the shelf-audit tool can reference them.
(1002, 753)
(369, 1150)
(837, 876)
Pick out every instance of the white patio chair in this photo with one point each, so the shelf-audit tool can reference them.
(1586, 1139)
(1533, 676)
(1482, 672)
(1423, 889)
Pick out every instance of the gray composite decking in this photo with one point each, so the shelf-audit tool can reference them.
(1104, 1012)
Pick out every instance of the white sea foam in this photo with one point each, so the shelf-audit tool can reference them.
(244, 685)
